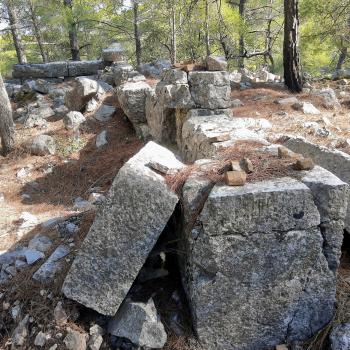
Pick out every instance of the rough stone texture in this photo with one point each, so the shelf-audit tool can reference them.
(120, 72)
(138, 206)
(56, 69)
(216, 63)
(42, 145)
(155, 69)
(210, 89)
(132, 99)
(104, 113)
(52, 265)
(75, 340)
(329, 97)
(340, 337)
(257, 274)
(336, 162)
(113, 53)
(83, 90)
(139, 323)
(73, 120)
(199, 134)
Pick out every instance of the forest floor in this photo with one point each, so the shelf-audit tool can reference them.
(47, 186)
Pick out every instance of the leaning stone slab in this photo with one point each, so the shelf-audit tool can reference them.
(257, 272)
(138, 207)
(336, 162)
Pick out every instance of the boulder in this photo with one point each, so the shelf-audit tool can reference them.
(73, 120)
(139, 323)
(42, 145)
(256, 280)
(210, 90)
(329, 98)
(155, 69)
(132, 99)
(216, 63)
(20, 333)
(120, 72)
(335, 161)
(137, 208)
(104, 113)
(306, 108)
(340, 337)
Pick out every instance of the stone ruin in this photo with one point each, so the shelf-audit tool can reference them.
(260, 260)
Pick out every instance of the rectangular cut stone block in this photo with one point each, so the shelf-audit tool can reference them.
(40, 70)
(80, 68)
(256, 271)
(336, 162)
(138, 207)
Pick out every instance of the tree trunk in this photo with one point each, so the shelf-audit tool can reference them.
(138, 47)
(342, 56)
(37, 32)
(173, 34)
(291, 57)
(16, 35)
(242, 8)
(207, 35)
(73, 33)
(6, 122)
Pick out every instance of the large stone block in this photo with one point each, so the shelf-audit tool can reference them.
(40, 70)
(132, 99)
(138, 207)
(257, 272)
(336, 162)
(210, 89)
(80, 68)
(201, 133)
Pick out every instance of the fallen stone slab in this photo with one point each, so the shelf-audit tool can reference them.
(139, 323)
(257, 269)
(52, 265)
(40, 70)
(199, 133)
(137, 208)
(337, 162)
(104, 113)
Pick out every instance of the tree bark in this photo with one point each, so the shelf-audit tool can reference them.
(16, 35)
(242, 8)
(291, 56)
(7, 129)
(173, 34)
(207, 35)
(138, 48)
(73, 33)
(37, 31)
(342, 56)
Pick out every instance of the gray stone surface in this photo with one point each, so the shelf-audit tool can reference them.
(340, 337)
(137, 208)
(52, 265)
(258, 268)
(113, 53)
(40, 243)
(139, 323)
(42, 145)
(200, 134)
(216, 63)
(210, 89)
(132, 99)
(121, 72)
(73, 120)
(104, 113)
(335, 161)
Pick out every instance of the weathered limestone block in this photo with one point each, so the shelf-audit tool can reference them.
(210, 89)
(121, 72)
(336, 162)
(40, 70)
(257, 272)
(80, 68)
(200, 132)
(113, 53)
(132, 100)
(138, 207)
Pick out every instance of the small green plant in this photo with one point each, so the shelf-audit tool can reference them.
(67, 146)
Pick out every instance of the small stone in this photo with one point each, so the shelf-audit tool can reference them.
(53, 347)
(287, 101)
(97, 198)
(73, 120)
(21, 332)
(40, 339)
(96, 340)
(33, 256)
(220, 138)
(11, 270)
(101, 139)
(5, 305)
(235, 178)
(284, 152)
(60, 314)
(247, 165)
(42, 145)
(75, 340)
(16, 312)
(82, 204)
(19, 264)
(304, 164)
(24, 172)
(104, 113)
(40, 243)
(236, 103)
(2, 197)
